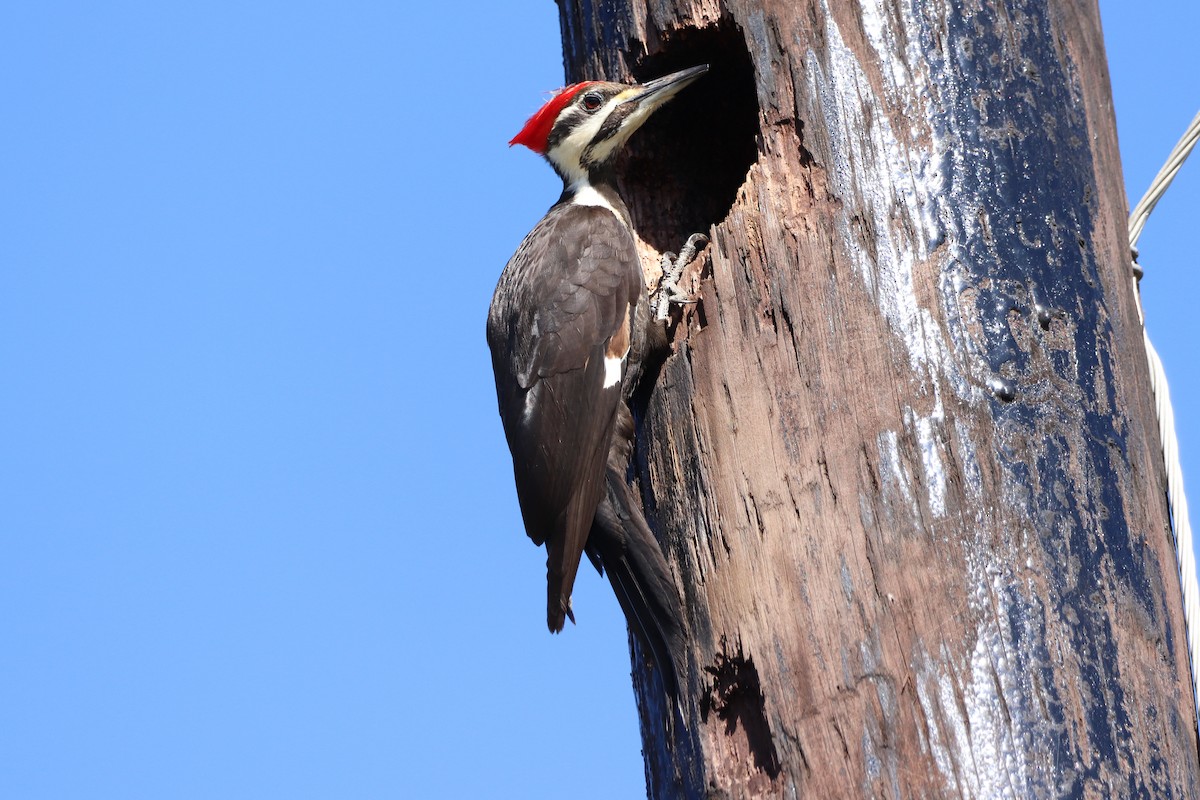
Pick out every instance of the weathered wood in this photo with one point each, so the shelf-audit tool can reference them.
(904, 459)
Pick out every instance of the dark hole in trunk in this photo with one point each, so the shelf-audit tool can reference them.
(681, 173)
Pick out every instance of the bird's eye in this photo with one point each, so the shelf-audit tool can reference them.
(592, 101)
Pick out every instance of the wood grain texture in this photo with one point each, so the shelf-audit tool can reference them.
(904, 459)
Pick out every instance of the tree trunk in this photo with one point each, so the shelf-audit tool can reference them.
(903, 460)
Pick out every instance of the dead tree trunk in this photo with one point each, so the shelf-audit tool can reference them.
(903, 460)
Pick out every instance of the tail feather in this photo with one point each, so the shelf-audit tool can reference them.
(621, 542)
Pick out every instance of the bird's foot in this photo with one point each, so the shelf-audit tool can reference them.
(669, 289)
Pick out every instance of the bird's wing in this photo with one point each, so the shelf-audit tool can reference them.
(587, 301)
(558, 329)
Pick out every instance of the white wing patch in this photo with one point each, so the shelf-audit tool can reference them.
(531, 401)
(612, 370)
(617, 351)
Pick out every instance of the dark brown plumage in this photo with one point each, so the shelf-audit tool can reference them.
(574, 295)
(567, 325)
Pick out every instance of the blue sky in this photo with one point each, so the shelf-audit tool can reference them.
(259, 533)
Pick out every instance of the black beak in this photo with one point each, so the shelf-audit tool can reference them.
(653, 94)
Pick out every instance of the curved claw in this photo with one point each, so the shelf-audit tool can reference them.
(688, 254)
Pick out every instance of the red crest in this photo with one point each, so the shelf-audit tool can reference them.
(537, 130)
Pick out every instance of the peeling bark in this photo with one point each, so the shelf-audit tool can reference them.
(903, 459)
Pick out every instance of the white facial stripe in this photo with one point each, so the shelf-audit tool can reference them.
(566, 153)
(604, 149)
(635, 119)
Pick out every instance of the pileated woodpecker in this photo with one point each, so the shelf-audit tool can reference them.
(568, 324)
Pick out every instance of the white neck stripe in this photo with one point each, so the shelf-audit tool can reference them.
(584, 194)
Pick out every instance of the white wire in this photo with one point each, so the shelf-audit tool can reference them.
(1179, 509)
(1141, 212)
(1176, 497)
